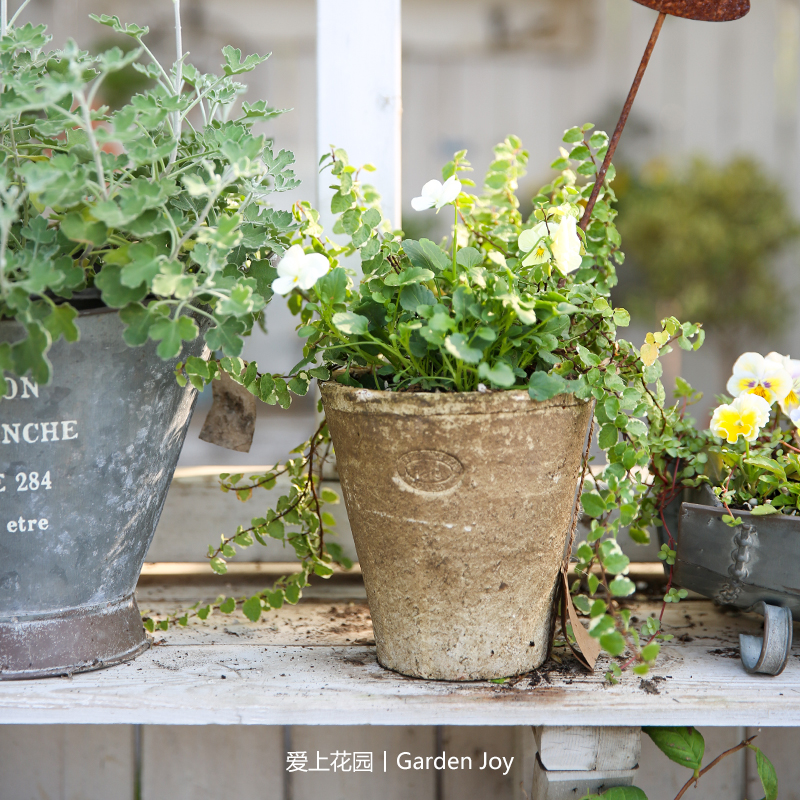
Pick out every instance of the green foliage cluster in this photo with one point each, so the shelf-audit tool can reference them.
(706, 231)
(158, 208)
(686, 746)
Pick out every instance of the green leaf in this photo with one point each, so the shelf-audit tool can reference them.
(616, 563)
(415, 295)
(587, 357)
(572, 135)
(137, 320)
(227, 336)
(114, 292)
(228, 606)
(769, 778)
(624, 793)
(593, 504)
(607, 437)
(458, 345)
(74, 227)
(426, 255)
(622, 586)
(29, 354)
(500, 374)
(142, 267)
(171, 333)
(469, 257)
(61, 322)
(332, 288)
(764, 510)
(651, 651)
(613, 643)
(542, 386)
(351, 324)
(684, 746)
(252, 608)
(233, 61)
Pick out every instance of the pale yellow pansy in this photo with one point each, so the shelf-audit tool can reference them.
(566, 246)
(754, 374)
(791, 402)
(532, 241)
(745, 417)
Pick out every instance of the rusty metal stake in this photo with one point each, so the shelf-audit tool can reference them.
(704, 10)
(623, 118)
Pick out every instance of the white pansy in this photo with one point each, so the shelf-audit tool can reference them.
(754, 374)
(791, 403)
(299, 270)
(566, 246)
(436, 194)
(794, 416)
(532, 242)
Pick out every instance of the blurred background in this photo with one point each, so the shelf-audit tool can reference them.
(709, 171)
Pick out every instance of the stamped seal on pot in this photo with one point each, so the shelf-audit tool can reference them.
(430, 471)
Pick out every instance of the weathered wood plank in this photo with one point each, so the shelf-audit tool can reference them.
(781, 746)
(66, 762)
(578, 747)
(661, 779)
(699, 681)
(484, 778)
(343, 782)
(206, 763)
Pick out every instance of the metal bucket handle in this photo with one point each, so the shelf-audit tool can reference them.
(768, 654)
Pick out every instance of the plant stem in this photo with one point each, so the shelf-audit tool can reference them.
(455, 243)
(693, 779)
(178, 80)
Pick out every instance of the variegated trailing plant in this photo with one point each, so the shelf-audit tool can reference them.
(507, 303)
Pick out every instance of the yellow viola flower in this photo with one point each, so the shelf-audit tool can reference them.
(754, 374)
(791, 403)
(745, 416)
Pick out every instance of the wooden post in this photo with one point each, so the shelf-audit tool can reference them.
(575, 760)
(358, 94)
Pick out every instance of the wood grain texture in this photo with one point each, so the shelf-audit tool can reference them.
(584, 748)
(206, 763)
(661, 779)
(349, 785)
(272, 679)
(66, 762)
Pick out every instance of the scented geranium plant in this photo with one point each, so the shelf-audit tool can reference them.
(157, 209)
(504, 303)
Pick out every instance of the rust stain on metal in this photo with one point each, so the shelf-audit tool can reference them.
(703, 10)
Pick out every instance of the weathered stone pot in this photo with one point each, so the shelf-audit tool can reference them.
(460, 506)
(85, 465)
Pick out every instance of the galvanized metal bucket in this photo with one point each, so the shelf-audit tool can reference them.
(752, 566)
(85, 465)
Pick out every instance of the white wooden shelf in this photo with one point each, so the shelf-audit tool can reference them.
(315, 664)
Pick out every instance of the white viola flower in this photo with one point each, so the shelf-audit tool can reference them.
(791, 402)
(299, 270)
(532, 242)
(435, 194)
(566, 246)
(754, 374)
(794, 416)
(745, 416)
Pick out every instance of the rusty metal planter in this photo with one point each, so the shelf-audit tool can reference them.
(460, 506)
(85, 465)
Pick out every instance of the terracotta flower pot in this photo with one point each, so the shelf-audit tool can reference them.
(460, 506)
